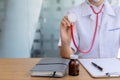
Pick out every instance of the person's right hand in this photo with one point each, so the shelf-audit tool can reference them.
(65, 31)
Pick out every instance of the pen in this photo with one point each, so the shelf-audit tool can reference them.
(97, 66)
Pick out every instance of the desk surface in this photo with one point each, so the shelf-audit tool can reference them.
(19, 69)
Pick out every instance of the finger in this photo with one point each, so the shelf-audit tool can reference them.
(66, 17)
(64, 23)
(64, 26)
(67, 22)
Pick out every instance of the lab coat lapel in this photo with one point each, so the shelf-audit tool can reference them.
(85, 9)
(108, 12)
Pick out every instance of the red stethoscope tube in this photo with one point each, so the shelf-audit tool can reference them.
(94, 35)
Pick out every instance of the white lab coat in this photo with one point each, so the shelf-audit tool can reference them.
(107, 40)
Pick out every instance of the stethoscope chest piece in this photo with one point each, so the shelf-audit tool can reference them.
(72, 17)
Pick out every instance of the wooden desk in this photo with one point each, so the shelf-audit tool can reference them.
(19, 69)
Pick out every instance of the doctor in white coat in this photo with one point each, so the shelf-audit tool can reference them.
(106, 39)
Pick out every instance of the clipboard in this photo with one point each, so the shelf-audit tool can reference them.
(111, 67)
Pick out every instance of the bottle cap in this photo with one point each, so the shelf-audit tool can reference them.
(72, 17)
(73, 56)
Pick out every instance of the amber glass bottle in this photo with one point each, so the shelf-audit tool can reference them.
(74, 65)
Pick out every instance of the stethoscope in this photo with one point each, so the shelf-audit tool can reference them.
(72, 18)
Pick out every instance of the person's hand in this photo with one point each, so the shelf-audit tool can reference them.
(65, 31)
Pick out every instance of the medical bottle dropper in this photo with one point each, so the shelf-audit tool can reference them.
(74, 65)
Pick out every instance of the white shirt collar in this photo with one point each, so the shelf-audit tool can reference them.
(87, 11)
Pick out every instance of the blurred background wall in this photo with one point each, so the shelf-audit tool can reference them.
(19, 18)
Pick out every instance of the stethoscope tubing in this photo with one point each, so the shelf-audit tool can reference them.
(94, 35)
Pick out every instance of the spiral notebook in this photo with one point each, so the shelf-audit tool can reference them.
(111, 67)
